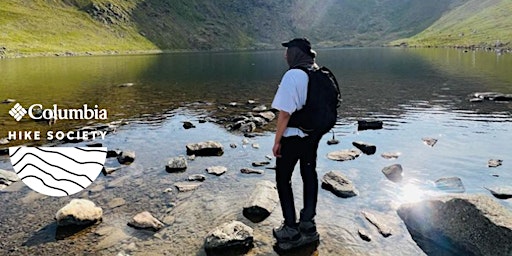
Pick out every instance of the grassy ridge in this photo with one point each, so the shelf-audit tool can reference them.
(477, 22)
(39, 27)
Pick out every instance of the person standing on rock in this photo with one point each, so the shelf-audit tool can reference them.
(292, 145)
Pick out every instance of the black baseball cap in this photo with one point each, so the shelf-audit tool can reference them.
(303, 44)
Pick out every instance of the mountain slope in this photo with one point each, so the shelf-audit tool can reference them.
(104, 26)
(476, 22)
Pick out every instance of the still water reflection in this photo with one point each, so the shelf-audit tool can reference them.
(416, 92)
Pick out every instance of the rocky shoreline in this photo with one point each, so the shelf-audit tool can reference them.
(141, 209)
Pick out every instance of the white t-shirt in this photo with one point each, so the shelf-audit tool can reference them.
(291, 96)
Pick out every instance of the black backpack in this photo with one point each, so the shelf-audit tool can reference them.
(318, 116)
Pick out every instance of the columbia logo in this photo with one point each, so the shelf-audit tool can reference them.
(17, 112)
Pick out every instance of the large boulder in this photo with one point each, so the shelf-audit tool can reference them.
(234, 238)
(338, 185)
(208, 148)
(262, 202)
(79, 212)
(459, 225)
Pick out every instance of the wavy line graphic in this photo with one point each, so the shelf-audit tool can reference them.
(44, 184)
(57, 171)
(52, 165)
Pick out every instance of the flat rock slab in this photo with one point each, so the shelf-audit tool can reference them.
(466, 224)
(344, 155)
(116, 202)
(234, 238)
(208, 148)
(450, 184)
(390, 155)
(262, 201)
(251, 171)
(187, 186)
(216, 170)
(338, 185)
(494, 162)
(197, 177)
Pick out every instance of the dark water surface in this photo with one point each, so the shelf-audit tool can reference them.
(416, 92)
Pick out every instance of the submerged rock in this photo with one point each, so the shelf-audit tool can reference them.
(116, 202)
(369, 125)
(233, 238)
(378, 222)
(429, 141)
(338, 185)
(393, 172)
(208, 148)
(262, 201)
(450, 184)
(459, 225)
(145, 220)
(79, 212)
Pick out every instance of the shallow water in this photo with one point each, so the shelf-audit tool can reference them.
(416, 92)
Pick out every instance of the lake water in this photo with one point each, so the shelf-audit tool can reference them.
(417, 93)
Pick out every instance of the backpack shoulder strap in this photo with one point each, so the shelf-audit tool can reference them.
(333, 77)
(306, 70)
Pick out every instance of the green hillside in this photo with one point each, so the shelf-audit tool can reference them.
(68, 27)
(475, 23)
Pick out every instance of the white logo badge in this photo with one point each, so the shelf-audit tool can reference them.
(18, 112)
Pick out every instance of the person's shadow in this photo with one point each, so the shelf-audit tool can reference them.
(308, 249)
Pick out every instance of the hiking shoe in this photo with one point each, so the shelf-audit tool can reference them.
(308, 231)
(286, 233)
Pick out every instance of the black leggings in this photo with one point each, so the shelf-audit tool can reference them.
(294, 149)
